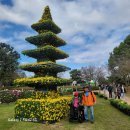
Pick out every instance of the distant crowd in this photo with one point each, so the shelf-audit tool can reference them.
(115, 91)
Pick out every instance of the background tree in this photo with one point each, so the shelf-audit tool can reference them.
(100, 75)
(119, 62)
(8, 63)
(88, 72)
(93, 73)
(76, 75)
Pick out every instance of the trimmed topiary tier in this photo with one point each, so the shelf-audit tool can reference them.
(44, 67)
(49, 38)
(46, 53)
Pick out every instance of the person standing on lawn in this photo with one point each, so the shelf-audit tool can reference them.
(123, 91)
(88, 101)
(118, 91)
(115, 91)
(110, 89)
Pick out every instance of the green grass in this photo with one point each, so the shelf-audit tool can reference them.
(106, 118)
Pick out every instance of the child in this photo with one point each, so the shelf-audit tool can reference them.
(76, 100)
(76, 111)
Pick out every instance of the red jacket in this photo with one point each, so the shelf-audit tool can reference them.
(89, 100)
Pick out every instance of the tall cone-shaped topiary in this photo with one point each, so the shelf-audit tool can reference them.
(46, 53)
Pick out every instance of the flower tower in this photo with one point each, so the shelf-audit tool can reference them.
(46, 53)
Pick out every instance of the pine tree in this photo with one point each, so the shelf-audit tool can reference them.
(46, 53)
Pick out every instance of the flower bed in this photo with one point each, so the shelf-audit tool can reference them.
(121, 105)
(50, 109)
(7, 96)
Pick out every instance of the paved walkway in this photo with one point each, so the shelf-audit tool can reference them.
(126, 98)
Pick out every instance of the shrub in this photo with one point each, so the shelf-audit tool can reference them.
(96, 93)
(16, 88)
(27, 94)
(7, 97)
(42, 109)
(121, 105)
(102, 96)
(95, 88)
(68, 91)
(65, 90)
(16, 93)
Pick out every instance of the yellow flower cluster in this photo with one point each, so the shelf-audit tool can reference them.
(46, 65)
(49, 80)
(36, 64)
(49, 94)
(48, 109)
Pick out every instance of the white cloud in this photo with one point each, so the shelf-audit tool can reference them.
(96, 53)
(22, 35)
(77, 40)
(18, 43)
(89, 17)
(23, 12)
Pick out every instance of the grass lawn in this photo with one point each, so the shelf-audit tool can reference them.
(106, 118)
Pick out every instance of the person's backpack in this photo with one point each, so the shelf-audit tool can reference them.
(92, 96)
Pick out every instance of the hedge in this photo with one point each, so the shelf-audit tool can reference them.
(102, 96)
(50, 110)
(121, 105)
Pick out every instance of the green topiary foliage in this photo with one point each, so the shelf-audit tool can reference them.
(46, 81)
(46, 38)
(44, 67)
(46, 53)
(46, 25)
(46, 15)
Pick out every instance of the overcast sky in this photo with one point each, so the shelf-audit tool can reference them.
(92, 28)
